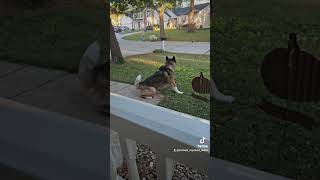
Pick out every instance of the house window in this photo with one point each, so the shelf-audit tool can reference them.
(148, 13)
(184, 19)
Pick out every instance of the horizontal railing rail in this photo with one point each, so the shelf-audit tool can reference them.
(53, 146)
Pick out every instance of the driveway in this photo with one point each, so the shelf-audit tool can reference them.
(129, 48)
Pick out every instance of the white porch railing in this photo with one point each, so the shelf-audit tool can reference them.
(164, 130)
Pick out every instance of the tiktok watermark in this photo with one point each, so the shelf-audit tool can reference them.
(201, 147)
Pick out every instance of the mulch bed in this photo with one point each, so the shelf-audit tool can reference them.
(146, 162)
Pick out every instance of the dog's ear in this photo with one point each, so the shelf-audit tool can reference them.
(174, 59)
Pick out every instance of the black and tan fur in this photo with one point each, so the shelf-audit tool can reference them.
(164, 77)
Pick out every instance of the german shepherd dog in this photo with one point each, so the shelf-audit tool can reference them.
(162, 78)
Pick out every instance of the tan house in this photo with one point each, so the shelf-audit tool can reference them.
(201, 16)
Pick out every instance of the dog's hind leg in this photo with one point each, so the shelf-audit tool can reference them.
(148, 92)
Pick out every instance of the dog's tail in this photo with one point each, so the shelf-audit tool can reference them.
(137, 81)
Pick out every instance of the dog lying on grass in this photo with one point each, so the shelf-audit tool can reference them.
(161, 79)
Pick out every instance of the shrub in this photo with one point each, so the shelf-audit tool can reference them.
(153, 37)
(159, 51)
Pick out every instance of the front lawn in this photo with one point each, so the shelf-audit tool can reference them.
(54, 37)
(244, 32)
(201, 35)
(188, 66)
(129, 31)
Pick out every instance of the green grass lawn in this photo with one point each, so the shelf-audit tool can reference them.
(201, 35)
(188, 67)
(54, 37)
(244, 32)
(129, 31)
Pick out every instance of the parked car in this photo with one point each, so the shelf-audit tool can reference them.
(124, 28)
(117, 29)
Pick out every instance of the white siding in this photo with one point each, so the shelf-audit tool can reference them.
(126, 21)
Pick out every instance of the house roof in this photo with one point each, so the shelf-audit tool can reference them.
(170, 14)
(186, 10)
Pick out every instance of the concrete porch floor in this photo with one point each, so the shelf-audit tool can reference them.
(130, 91)
(57, 91)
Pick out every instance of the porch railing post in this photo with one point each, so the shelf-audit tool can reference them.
(129, 150)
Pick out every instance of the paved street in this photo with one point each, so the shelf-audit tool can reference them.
(141, 47)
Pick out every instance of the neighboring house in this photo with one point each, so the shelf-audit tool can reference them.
(172, 18)
(150, 17)
(126, 21)
(201, 15)
(121, 20)
(137, 20)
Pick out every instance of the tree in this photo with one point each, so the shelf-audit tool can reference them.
(191, 24)
(145, 18)
(179, 3)
(162, 6)
(116, 55)
(161, 10)
(116, 19)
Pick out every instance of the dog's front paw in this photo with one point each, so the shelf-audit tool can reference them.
(180, 92)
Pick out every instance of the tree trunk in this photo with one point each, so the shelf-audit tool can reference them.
(145, 18)
(161, 18)
(116, 55)
(191, 26)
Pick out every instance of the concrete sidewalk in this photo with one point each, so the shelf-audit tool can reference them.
(56, 91)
